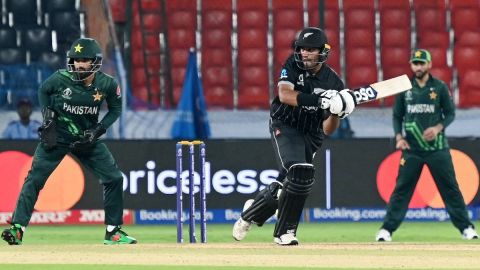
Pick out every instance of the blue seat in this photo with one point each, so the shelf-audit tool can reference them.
(25, 12)
(11, 56)
(24, 93)
(19, 81)
(67, 25)
(51, 60)
(8, 37)
(3, 89)
(49, 6)
(37, 40)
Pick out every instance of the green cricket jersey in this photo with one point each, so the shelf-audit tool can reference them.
(423, 107)
(77, 105)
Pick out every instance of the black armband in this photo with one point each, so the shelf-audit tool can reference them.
(307, 99)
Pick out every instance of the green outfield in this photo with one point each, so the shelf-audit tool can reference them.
(322, 246)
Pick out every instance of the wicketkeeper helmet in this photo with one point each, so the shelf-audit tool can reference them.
(84, 48)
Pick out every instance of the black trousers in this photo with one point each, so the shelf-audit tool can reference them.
(292, 146)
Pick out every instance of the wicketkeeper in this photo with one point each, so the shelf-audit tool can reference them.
(71, 101)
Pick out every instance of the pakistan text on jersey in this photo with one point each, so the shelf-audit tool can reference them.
(80, 109)
(421, 108)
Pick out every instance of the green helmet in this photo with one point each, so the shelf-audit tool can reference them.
(84, 48)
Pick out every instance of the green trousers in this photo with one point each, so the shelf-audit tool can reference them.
(98, 159)
(441, 168)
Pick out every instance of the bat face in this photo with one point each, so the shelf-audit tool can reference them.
(382, 89)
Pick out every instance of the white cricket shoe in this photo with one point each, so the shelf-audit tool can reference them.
(383, 236)
(241, 227)
(469, 233)
(287, 239)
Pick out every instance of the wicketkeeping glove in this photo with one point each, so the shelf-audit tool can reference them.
(90, 136)
(350, 103)
(47, 131)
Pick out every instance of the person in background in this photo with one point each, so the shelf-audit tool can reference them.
(423, 113)
(24, 128)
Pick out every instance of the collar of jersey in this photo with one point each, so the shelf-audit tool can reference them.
(65, 73)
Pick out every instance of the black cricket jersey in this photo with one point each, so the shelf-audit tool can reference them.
(306, 119)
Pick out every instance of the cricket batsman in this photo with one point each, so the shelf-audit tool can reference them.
(311, 101)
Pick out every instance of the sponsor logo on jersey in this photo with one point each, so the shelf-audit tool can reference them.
(300, 80)
(310, 109)
(408, 95)
(283, 74)
(80, 110)
(67, 93)
(421, 108)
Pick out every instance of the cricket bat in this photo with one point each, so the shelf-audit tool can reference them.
(382, 89)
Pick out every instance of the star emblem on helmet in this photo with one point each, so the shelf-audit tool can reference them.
(418, 53)
(97, 96)
(78, 48)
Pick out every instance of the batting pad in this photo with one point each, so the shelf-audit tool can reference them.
(299, 183)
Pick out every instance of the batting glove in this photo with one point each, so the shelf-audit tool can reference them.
(337, 104)
(325, 98)
(350, 102)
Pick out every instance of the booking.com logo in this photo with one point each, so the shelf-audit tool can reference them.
(426, 192)
(63, 189)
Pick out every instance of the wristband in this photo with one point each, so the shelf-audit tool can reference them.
(307, 100)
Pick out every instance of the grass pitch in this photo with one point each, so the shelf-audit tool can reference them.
(322, 246)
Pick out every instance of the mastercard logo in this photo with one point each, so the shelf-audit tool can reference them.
(62, 191)
(426, 192)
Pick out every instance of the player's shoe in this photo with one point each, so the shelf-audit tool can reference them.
(13, 235)
(469, 233)
(287, 239)
(241, 227)
(383, 236)
(117, 236)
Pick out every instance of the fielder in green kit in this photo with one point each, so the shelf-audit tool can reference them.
(71, 101)
(424, 111)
